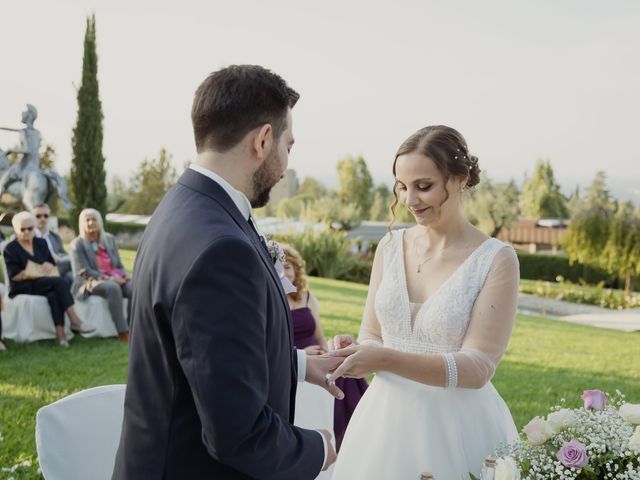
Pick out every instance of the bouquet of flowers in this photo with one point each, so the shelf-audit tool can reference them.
(599, 441)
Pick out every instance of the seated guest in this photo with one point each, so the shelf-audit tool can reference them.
(54, 242)
(98, 270)
(308, 334)
(30, 267)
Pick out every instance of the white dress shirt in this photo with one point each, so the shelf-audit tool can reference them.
(45, 235)
(243, 204)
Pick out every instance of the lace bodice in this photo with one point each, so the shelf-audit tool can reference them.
(466, 322)
(440, 322)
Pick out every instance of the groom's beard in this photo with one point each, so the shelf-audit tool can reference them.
(264, 180)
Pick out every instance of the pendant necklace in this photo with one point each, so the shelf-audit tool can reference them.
(419, 267)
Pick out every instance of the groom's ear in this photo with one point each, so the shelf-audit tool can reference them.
(263, 141)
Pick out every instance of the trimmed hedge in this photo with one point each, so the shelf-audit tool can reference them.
(538, 266)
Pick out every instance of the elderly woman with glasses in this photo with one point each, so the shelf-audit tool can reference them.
(42, 279)
(98, 270)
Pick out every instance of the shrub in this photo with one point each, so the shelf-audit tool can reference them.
(548, 267)
(327, 253)
(569, 292)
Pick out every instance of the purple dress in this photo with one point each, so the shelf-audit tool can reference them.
(304, 327)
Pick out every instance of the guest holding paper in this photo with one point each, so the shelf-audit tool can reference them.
(308, 335)
(32, 271)
(98, 270)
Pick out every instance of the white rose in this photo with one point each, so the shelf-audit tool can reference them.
(634, 441)
(630, 412)
(538, 431)
(507, 469)
(562, 419)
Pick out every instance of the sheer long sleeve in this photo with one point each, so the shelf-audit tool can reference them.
(370, 331)
(490, 326)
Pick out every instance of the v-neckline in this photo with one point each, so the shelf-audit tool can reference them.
(437, 290)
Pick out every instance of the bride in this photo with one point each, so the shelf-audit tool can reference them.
(438, 318)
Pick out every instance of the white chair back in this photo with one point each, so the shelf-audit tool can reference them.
(77, 437)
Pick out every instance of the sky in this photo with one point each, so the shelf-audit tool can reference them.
(521, 80)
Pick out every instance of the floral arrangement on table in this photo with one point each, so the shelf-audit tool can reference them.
(599, 441)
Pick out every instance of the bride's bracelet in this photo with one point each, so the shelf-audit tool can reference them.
(452, 370)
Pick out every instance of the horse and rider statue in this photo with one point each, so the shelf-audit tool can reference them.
(24, 180)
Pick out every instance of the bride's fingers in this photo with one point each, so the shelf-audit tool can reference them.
(339, 372)
(343, 352)
(342, 341)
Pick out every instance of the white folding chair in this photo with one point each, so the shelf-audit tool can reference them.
(314, 410)
(77, 437)
(94, 311)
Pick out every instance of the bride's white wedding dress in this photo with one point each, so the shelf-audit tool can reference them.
(402, 428)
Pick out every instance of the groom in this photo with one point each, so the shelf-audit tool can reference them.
(212, 370)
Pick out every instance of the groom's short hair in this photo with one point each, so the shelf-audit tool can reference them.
(233, 101)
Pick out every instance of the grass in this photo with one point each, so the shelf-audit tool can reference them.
(547, 360)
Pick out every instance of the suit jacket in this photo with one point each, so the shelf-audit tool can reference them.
(212, 377)
(83, 257)
(56, 243)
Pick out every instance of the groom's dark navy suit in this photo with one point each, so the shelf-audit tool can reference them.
(212, 371)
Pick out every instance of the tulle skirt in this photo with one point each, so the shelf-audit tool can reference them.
(402, 428)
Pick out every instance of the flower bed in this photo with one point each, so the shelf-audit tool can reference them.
(570, 292)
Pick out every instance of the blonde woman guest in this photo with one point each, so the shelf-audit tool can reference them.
(308, 335)
(26, 248)
(98, 269)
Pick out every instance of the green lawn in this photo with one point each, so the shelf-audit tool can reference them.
(546, 360)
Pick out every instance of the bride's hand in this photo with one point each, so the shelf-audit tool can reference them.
(341, 341)
(361, 360)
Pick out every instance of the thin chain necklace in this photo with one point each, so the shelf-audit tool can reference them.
(419, 267)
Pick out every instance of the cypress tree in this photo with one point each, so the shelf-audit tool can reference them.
(87, 166)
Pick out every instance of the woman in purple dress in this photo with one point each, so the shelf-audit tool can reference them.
(308, 335)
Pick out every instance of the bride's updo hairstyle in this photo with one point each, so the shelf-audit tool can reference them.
(448, 149)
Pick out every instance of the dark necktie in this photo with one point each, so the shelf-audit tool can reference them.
(260, 237)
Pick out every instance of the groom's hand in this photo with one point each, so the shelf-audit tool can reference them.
(331, 452)
(319, 368)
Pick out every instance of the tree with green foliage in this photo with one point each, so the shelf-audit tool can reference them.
(355, 185)
(312, 188)
(332, 211)
(152, 181)
(117, 194)
(541, 196)
(492, 206)
(598, 193)
(381, 204)
(87, 165)
(622, 250)
(604, 234)
(575, 203)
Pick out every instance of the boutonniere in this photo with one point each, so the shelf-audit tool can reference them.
(277, 255)
(275, 251)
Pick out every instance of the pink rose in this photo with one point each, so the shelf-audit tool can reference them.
(594, 399)
(573, 454)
